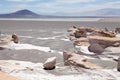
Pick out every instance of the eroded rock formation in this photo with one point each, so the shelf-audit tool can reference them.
(97, 42)
(78, 61)
(86, 31)
(104, 41)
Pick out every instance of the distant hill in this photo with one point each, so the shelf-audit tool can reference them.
(20, 14)
(108, 12)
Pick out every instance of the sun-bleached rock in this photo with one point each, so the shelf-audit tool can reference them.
(103, 33)
(78, 60)
(96, 48)
(50, 63)
(81, 41)
(104, 41)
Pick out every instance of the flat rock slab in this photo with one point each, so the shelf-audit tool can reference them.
(107, 41)
(78, 60)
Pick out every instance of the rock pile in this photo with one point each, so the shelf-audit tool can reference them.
(97, 42)
(95, 37)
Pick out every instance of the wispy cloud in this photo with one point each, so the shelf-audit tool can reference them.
(75, 1)
(60, 7)
(21, 0)
(101, 6)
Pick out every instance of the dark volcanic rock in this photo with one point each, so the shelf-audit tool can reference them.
(118, 66)
(96, 48)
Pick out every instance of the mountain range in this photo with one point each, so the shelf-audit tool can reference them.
(103, 12)
(108, 12)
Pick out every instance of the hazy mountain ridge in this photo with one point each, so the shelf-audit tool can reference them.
(108, 12)
(103, 12)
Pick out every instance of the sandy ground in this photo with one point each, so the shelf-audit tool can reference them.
(65, 19)
(34, 71)
(109, 20)
(4, 76)
(53, 19)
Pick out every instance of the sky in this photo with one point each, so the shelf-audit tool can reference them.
(57, 7)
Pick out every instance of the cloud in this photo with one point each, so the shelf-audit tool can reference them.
(101, 6)
(113, 4)
(21, 0)
(63, 7)
(75, 1)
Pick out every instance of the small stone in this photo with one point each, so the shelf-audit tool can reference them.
(15, 38)
(50, 63)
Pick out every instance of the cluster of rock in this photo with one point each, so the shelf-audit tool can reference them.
(97, 40)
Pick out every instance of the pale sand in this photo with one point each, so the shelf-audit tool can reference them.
(52, 19)
(65, 19)
(109, 20)
(4, 76)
